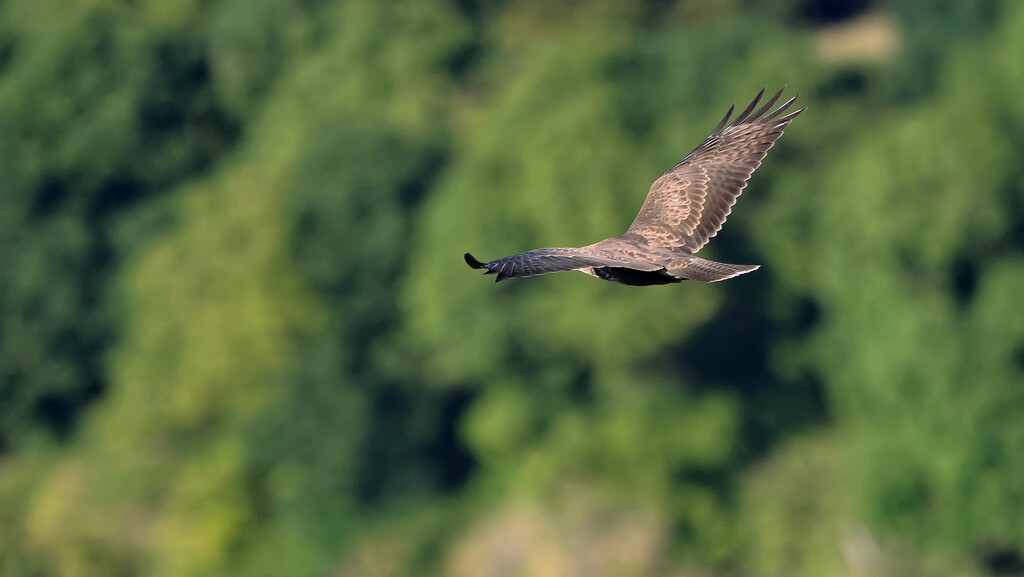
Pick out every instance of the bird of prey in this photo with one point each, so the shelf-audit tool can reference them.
(683, 210)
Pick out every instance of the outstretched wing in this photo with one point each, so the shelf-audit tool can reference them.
(689, 204)
(671, 212)
(545, 260)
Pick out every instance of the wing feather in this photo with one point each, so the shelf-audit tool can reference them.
(671, 212)
(546, 260)
(689, 204)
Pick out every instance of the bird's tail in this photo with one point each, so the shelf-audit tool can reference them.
(694, 268)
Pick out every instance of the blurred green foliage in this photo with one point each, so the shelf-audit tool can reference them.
(237, 336)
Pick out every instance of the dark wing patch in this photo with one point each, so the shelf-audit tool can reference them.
(727, 157)
(633, 277)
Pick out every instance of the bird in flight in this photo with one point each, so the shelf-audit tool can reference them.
(684, 208)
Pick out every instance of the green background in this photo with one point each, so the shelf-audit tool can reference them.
(237, 336)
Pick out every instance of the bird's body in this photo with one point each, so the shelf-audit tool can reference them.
(684, 208)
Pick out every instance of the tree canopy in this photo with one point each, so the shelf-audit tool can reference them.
(237, 336)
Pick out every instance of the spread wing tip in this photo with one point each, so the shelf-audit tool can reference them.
(750, 108)
(725, 121)
(472, 262)
(502, 275)
(750, 115)
(789, 117)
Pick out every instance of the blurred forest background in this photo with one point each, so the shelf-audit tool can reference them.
(237, 336)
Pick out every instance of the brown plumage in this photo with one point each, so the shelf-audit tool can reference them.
(684, 208)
